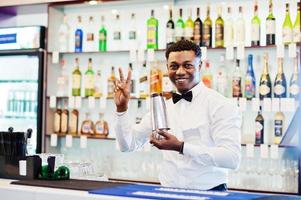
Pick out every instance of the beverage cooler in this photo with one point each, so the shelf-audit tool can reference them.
(21, 81)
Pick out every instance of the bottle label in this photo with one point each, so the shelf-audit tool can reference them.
(90, 37)
(297, 34)
(110, 87)
(279, 89)
(264, 90)
(219, 34)
(221, 83)
(169, 35)
(249, 87)
(167, 85)
(294, 89)
(258, 132)
(102, 37)
(89, 81)
(99, 128)
(76, 81)
(132, 35)
(270, 27)
(197, 32)
(64, 123)
(87, 129)
(151, 35)
(287, 35)
(278, 128)
(73, 123)
(228, 37)
(155, 83)
(188, 32)
(206, 35)
(117, 35)
(236, 87)
(78, 42)
(255, 32)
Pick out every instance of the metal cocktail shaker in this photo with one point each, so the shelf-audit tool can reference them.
(158, 114)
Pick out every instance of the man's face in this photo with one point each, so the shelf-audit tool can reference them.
(183, 70)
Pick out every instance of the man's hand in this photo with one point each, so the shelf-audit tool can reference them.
(170, 142)
(122, 91)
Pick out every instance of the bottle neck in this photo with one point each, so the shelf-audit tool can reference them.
(270, 7)
(208, 12)
(266, 67)
(296, 70)
(280, 66)
(256, 10)
(198, 12)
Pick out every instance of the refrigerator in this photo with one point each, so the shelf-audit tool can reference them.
(22, 59)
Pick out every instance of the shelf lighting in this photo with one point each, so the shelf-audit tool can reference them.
(93, 2)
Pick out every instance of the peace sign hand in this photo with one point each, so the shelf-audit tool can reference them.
(122, 91)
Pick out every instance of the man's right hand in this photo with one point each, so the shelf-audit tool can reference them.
(122, 91)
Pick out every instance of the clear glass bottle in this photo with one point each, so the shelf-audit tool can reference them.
(64, 34)
(255, 27)
(236, 81)
(90, 37)
(170, 30)
(294, 88)
(229, 29)
(207, 75)
(132, 33)
(111, 83)
(98, 84)
(221, 78)
(240, 29)
(270, 26)
(117, 35)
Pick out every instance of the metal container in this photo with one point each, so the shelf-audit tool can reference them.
(158, 114)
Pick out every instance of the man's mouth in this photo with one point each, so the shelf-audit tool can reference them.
(180, 80)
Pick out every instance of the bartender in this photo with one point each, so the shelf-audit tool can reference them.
(203, 142)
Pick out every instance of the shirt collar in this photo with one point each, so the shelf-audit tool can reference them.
(197, 89)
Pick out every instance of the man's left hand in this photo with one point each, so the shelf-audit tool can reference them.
(169, 141)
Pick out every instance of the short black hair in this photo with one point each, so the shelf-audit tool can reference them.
(184, 45)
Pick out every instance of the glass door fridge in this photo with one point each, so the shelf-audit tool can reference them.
(21, 82)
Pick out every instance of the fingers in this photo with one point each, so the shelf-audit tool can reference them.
(163, 133)
(128, 79)
(155, 142)
(121, 74)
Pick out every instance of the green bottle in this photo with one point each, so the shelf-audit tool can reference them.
(76, 79)
(180, 26)
(207, 30)
(255, 27)
(296, 29)
(89, 80)
(189, 26)
(287, 27)
(102, 36)
(152, 32)
(219, 29)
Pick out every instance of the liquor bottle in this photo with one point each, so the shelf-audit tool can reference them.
(236, 81)
(98, 85)
(101, 126)
(296, 28)
(155, 79)
(207, 30)
(64, 119)
(143, 81)
(167, 86)
(133, 81)
(73, 122)
(278, 126)
(197, 31)
(102, 46)
(111, 83)
(270, 26)
(117, 38)
(57, 120)
(89, 80)
(139, 111)
(62, 80)
(170, 30)
(189, 26)
(259, 127)
(64, 32)
(207, 75)
(87, 127)
(89, 45)
(294, 86)
(152, 32)
(76, 80)
(265, 85)
(221, 78)
(219, 29)
(287, 27)
(180, 27)
(229, 32)
(280, 81)
(79, 36)
(132, 34)
(240, 29)
(255, 27)
(250, 80)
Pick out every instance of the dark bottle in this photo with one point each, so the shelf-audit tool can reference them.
(265, 85)
(280, 81)
(170, 30)
(270, 26)
(259, 127)
(197, 31)
(207, 30)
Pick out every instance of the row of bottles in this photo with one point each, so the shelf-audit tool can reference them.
(68, 123)
(228, 32)
(21, 103)
(247, 88)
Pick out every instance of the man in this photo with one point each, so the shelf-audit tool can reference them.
(204, 137)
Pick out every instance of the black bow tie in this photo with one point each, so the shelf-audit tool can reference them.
(177, 97)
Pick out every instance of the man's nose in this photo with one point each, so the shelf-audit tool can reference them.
(180, 70)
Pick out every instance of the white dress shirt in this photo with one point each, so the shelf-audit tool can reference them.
(209, 125)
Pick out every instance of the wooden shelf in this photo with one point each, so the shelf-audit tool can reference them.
(88, 136)
(280, 146)
(96, 98)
